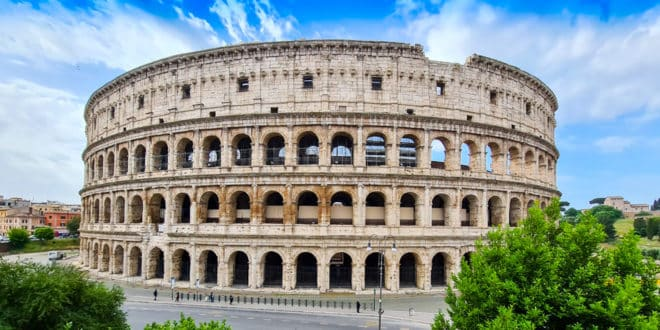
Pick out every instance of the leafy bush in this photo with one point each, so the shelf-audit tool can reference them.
(18, 237)
(187, 323)
(44, 233)
(640, 226)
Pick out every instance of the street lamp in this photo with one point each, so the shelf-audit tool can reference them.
(381, 244)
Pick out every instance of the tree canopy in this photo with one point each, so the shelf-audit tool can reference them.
(34, 296)
(597, 200)
(607, 216)
(73, 225)
(18, 237)
(44, 233)
(187, 323)
(553, 275)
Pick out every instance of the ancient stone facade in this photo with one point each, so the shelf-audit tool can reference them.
(274, 165)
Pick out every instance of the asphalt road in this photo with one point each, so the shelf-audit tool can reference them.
(140, 314)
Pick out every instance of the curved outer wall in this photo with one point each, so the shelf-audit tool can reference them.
(274, 165)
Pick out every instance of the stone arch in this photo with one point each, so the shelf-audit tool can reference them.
(208, 267)
(99, 167)
(530, 164)
(135, 209)
(308, 208)
(275, 150)
(135, 262)
(105, 258)
(408, 145)
(542, 167)
(209, 207)
(157, 208)
(439, 153)
(341, 152)
(439, 206)
(243, 150)
(468, 155)
(376, 150)
(238, 266)
(273, 207)
(531, 203)
(95, 257)
(92, 169)
(211, 149)
(493, 158)
(182, 205)
(123, 161)
(513, 161)
(120, 209)
(515, 212)
(469, 211)
(156, 264)
(107, 207)
(341, 209)
(467, 258)
(341, 270)
(375, 209)
(111, 164)
(408, 210)
(271, 265)
(308, 149)
(306, 271)
(181, 265)
(160, 156)
(440, 268)
(372, 264)
(140, 159)
(410, 275)
(184, 153)
(118, 266)
(240, 206)
(496, 210)
(97, 210)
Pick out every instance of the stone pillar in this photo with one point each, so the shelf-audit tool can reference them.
(424, 160)
(226, 158)
(322, 278)
(195, 263)
(357, 275)
(482, 221)
(454, 213)
(359, 207)
(426, 205)
(255, 274)
(392, 150)
(392, 209)
(359, 155)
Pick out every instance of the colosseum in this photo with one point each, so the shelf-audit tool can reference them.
(293, 166)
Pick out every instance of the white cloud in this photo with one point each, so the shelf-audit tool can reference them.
(271, 24)
(234, 19)
(42, 130)
(611, 144)
(599, 70)
(116, 35)
(234, 16)
(200, 24)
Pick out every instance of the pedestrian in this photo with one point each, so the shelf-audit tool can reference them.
(155, 294)
(231, 299)
(177, 297)
(357, 304)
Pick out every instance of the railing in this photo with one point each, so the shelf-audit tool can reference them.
(184, 159)
(160, 162)
(243, 157)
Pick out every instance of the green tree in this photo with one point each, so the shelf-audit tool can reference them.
(598, 200)
(44, 233)
(652, 227)
(640, 226)
(553, 276)
(18, 237)
(187, 323)
(34, 296)
(607, 216)
(73, 225)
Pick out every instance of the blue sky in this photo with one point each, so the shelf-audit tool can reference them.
(600, 57)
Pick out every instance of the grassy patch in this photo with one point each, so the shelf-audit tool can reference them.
(623, 226)
(56, 244)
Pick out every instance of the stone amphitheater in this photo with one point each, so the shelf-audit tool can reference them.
(293, 166)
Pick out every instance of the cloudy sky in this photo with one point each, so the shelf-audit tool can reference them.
(602, 59)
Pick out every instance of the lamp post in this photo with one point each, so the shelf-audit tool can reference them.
(380, 245)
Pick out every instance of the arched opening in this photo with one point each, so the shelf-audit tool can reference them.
(105, 259)
(466, 156)
(184, 154)
(211, 147)
(156, 264)
(118, 266)
(135, 210)
(135, 262)
(494, 158)
(160, 156)
(210, 206)
(438, 210)
(275, 151)
(111, 164)
(123, 161)
(408, 271)
(242, 203)
(495, 212)
(407, 210)
(307, 208)
(239, 264)
(543, 205)
(107, 207)
(375, 151)
(341, 271)
(274, 208)
(95, 257)
(513, 161)
(542, 167)
(120, 205)
(469, 211)
(97, 210)
(306, 271)
(341, 209)
(99, 167)
(408, 151)
(272, 270)
(92, 169)
(467, 258)
(439, 270)
(183, 206)
(438, 154)
(488, 152)
(342, 150)
(530, 164)
(210, 267)
(140, 159)
(157, 208)
(375, 209)
(515, 212)
(372, 271)
(181, 265)
(530, 204)
(243, 151)
(308, 149)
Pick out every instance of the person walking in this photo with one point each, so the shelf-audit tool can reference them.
(357, 304)
(155, 294)
(231, 299)
(177, 297)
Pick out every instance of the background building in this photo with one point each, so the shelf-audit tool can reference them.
(274, 165)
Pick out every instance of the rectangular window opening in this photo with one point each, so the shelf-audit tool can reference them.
(469, 118)
(528, 108)
(185, 92)
(493, 97)
(274, 110)
(140, 101)
(308, 81)
(112, 113)
(243, 84)
(376, 83)
(212, 114)
(439, 88)
(161, 121)
(410, 111)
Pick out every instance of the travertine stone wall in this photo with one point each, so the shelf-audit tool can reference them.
(274, 165)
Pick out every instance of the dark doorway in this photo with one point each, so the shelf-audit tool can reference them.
(211, 268)
(272, 270)
(241, 269)
(438, 276)
(341, 271)
(372, 271)
(306, 271)
(407, 271)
